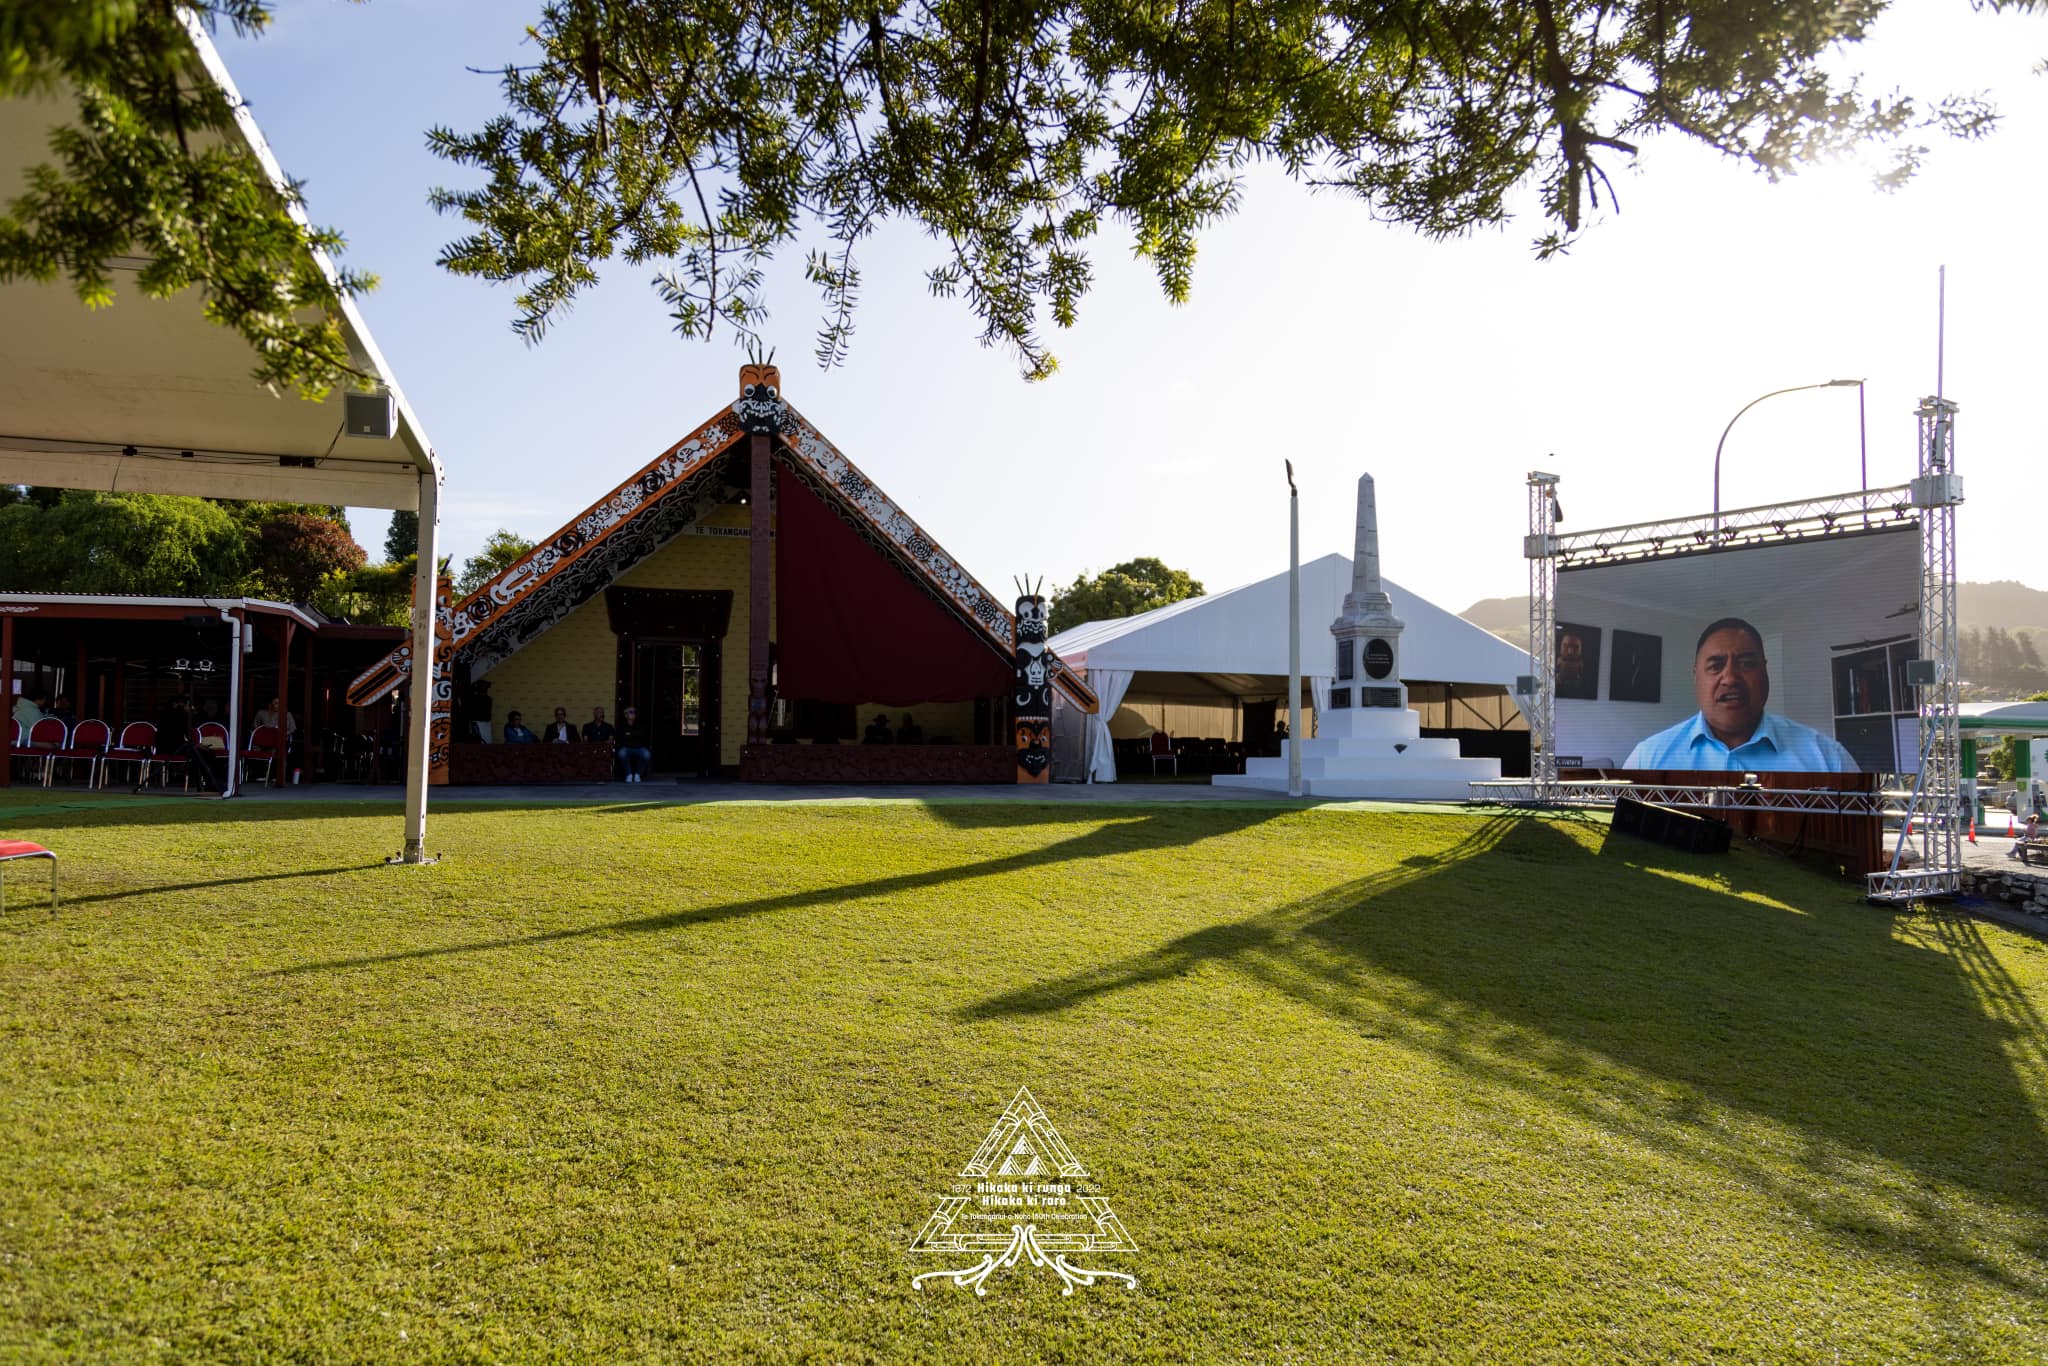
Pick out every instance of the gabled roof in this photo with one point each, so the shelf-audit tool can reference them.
(1243, 630)
(673, 490)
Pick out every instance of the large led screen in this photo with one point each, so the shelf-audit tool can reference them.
(1787, 658)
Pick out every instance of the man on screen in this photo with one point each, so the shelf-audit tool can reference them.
(1731, 730)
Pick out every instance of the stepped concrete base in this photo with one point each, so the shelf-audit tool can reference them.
(1371, 752)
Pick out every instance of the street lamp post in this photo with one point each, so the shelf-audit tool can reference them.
(1857, 384)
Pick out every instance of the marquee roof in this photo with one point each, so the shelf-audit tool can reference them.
(1243, 630)
(148, 396)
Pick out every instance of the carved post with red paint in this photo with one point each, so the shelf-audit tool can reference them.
(1031, 696)
(761, 412)
(441, 724)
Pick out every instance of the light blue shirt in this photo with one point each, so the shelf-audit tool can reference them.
(1779, 746)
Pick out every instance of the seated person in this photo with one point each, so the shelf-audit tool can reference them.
(516, 732)
(61, 709)
(1731, 680)
(268, 716)
(207, 754)
(561, 730)
(595, 730)
(909, 733)
(636, 756)
(877, 732)
(27, 713)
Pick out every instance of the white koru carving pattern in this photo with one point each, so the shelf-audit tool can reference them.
(615, 508)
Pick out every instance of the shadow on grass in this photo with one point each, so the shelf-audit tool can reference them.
(155, 889)
(93, 812)
(1148, 829)
(1603, 986)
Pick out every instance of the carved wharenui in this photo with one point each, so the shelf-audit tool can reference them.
(1032, 696)
(674, 491)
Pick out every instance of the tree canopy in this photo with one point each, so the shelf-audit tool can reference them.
(151, 169)
(1996, 661)
(155, 545)
(402, 537)
(1121, 591)
(702, 138)
(123, 543)
(501, 551)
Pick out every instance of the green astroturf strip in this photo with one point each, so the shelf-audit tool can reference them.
(633, 1081)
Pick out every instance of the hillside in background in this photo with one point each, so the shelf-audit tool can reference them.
(2005, 606)
(2008, 604)
(1507, 618)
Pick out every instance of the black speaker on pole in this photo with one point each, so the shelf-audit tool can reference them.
(1668, 826)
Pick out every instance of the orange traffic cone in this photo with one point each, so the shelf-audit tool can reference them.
(1973, 827)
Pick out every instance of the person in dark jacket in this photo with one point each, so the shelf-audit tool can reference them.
(636, 756)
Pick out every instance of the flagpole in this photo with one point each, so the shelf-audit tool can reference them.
(1293, 635)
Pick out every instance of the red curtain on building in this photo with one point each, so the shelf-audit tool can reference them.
(851, 627)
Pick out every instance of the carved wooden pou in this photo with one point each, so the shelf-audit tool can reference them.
(441, 721)
(1032, 693)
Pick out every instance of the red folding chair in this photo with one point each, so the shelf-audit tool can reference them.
(16, 747)
(45, 738)
(136, 746)
(265, 744)
(211, 737)
(89, 741)
(10, 850)
(1162, 748)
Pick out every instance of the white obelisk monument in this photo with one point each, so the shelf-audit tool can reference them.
(1368, 665)
(1368, 743)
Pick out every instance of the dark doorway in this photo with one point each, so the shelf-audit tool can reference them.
(669, 648)
(674, 683)
(1260, 734)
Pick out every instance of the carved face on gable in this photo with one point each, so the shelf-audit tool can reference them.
(759, 406)
(753, 378)
(1030, 619)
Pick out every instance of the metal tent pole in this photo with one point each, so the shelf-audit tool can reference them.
(419, 739)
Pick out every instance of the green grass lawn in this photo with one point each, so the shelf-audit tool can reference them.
(634, 1082)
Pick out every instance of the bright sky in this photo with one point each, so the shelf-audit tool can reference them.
(1447, 369)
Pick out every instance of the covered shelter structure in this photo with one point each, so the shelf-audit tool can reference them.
(1985, 722)
(151, 396)
(119, 659)
(1210, 673)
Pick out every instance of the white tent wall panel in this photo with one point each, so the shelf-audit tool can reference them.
(1243, 631)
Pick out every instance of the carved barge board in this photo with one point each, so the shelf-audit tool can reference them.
(651, 507)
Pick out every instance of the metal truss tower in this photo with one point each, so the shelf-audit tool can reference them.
(1935, 818)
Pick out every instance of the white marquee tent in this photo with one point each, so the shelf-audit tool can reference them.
(1231, 646)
